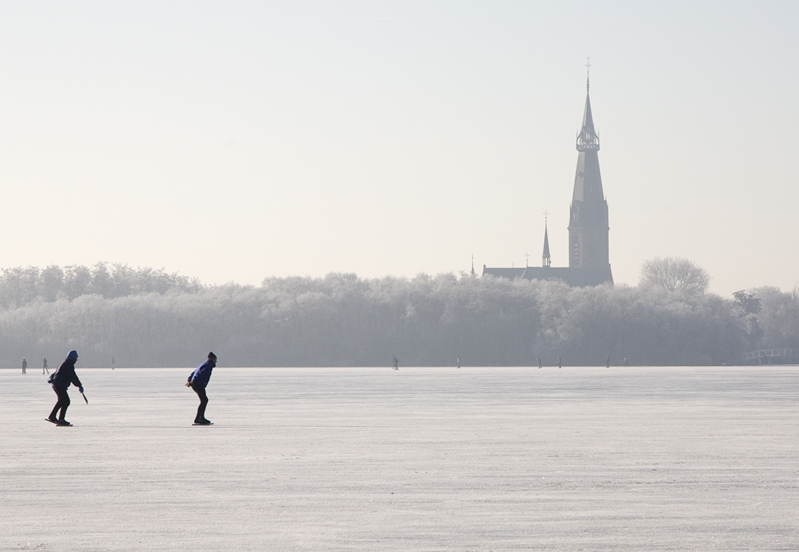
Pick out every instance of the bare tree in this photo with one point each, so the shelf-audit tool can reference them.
(674, 274)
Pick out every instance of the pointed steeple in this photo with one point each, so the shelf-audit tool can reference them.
(588, 224)
(588, 139)
(546, 261)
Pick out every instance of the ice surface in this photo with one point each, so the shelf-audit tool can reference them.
(416, 459)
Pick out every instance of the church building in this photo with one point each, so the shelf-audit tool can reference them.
(589, 260)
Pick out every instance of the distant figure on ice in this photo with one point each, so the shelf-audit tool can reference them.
(395, 362)
(24, 366)
(112, 363)
(44, 366)
(626, 364)
(539, 362)
(61, 380)
(458, 362)
(198, 380)
(607, 362)
(560, 363)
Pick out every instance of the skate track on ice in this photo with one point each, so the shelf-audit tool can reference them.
(372, 459)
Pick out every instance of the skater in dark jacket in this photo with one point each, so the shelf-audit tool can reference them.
(198, 381)
(61, 380)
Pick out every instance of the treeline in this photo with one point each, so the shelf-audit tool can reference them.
(22, 286)
(343, 320)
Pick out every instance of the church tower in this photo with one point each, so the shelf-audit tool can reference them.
(589, 258)
(588, 224)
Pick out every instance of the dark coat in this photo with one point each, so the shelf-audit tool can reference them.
(200, 377)
(65, 374)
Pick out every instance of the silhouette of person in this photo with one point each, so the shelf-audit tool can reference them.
(62, 378)
(458, 361)
(626, 364)
(24, 366)
(44, 366)
(539, 362)
(607, 362)
(112, 363)
(198, 381)
(395, 362)
(560, 363)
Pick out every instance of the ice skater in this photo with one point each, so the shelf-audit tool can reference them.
(44, 367)
(395, 362)
(24, 366)
(61, 379)
(539, 363)
(198, 381)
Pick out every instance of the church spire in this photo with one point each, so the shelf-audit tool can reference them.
(546, 261)
(588, 139)
(588, 224)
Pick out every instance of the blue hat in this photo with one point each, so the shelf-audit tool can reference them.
(73, 354)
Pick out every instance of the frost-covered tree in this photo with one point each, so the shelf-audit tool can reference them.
(751, 307)
(343, 320)
(674, 274)
(779, 317)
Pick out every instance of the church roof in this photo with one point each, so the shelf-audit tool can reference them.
(573, 276)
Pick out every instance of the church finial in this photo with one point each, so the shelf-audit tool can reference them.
(587, 73)
(472, 265)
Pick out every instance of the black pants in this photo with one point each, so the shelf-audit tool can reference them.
(62, 404)
(203, 402)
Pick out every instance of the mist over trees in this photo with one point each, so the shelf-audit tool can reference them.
(778, 318)
(21, 286)
(145, 317)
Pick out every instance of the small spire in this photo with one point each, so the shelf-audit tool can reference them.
(546, 261)
(472, 265)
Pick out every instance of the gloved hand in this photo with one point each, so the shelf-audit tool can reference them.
(80, 389)
(188, 384)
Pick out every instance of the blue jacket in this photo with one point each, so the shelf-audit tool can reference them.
(202, 374)
(65, 374)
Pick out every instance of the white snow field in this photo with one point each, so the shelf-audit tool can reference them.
(417, 459)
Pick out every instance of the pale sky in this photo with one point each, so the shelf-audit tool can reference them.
(232, 141)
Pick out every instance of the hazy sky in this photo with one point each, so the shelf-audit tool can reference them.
(237, 140)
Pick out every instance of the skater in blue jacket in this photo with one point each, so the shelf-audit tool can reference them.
(61, 379)
(198, 381)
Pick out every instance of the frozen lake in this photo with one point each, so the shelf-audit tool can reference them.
(417, 459)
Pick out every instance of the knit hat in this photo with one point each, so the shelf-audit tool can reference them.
(73, 354)
(212, 355)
